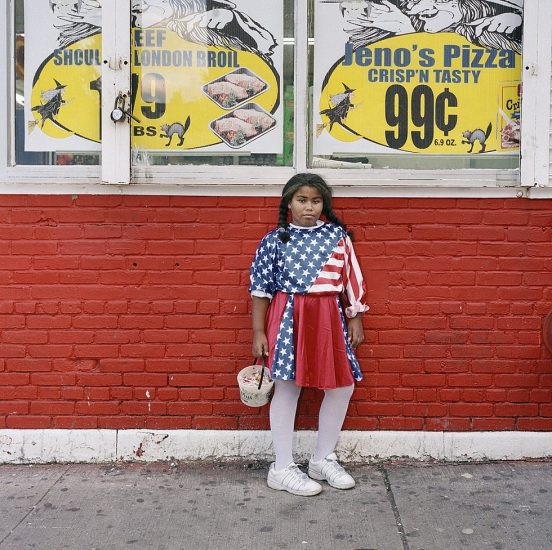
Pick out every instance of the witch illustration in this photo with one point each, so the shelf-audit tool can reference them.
(492, 24)
(340, 105)
(51, 102)
(208, 22)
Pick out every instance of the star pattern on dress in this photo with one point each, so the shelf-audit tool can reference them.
(355, 367)
(293, 267)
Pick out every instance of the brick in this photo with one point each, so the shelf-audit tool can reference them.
(168, 422)
(190, 380)
(13, 407)
(418, 322)
(12, 321)
(400, 365)
(516, 380)
(446, 337)
(425, 351)
(145, 379)
(28, 365)
(99, 379)
(474, 323)
(428, 395)
(121, 422)
(473, 396)
(121, 393)
(52, 408)
(507, 278)
(401, 423)
(142, 350)
(471, 409)
(28, 422)
(535, 424)
(494, 424)
(492, 337)
(516, 409)
(214, 423)
(75, 422)
(143, 408)
(192, 408)
(520, 352)
(424, 409)
(214, 394)
(71, 336)
(471, 351)
(18, 392)
(167, 394)
(13, 379)
(469, 380)
(95, 351)
(97, 408)
(519, 396)
(423, 380)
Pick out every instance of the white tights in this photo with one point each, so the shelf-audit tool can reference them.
(282, 419)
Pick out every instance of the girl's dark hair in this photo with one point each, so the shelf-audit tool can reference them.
(291, 187)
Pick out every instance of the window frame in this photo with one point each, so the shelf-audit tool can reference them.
(267, 180)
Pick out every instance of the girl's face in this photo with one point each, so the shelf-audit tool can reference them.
(306, 206)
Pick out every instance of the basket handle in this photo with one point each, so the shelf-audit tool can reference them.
(263, 358)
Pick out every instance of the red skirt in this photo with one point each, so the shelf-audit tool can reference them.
(318, 339)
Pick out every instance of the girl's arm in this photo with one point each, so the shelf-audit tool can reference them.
(355, 292)
(258, 315)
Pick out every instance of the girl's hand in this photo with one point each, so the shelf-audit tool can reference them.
(355, 330)
(260, 344)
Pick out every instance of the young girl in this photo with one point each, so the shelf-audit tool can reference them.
(301, 272)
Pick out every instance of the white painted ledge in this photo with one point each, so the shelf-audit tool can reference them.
(45, 446)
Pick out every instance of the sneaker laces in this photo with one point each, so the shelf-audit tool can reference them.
(332, 470)
(294, 477)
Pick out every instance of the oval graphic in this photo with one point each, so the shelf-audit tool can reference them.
(168, 85)
(425, 93)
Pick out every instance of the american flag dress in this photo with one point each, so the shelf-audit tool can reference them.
(307, 279)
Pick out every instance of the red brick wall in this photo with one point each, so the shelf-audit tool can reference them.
(132, 312)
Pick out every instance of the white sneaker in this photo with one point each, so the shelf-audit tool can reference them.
(330, 470)
(292, 480)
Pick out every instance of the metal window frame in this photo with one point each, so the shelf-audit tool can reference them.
(116, 33)
(267, 180)
(535, 112)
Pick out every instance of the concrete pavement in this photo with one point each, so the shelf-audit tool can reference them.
(162, 506)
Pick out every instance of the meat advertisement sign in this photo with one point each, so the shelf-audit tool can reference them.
(417, 76)
(205, 76)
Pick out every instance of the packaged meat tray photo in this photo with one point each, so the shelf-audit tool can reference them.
(235, 88)
(243, 125)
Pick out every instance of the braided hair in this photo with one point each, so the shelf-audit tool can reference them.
(289, 190)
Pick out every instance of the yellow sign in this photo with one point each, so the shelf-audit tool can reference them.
(66, 92)
(186, 96)
(424, 93)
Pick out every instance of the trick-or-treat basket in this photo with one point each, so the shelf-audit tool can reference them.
(256, 385)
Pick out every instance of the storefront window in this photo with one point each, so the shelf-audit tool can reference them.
(428, 85)
(57, 82)
(416, 84)
(208, 86)
(212, 84)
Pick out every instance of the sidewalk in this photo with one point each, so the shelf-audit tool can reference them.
(395, 506)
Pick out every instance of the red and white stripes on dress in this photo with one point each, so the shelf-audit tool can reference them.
(341, 273)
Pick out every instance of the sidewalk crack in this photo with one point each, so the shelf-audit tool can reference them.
(394, 507)
(35, 505)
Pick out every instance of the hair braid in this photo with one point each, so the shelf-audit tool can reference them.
(283, 233)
